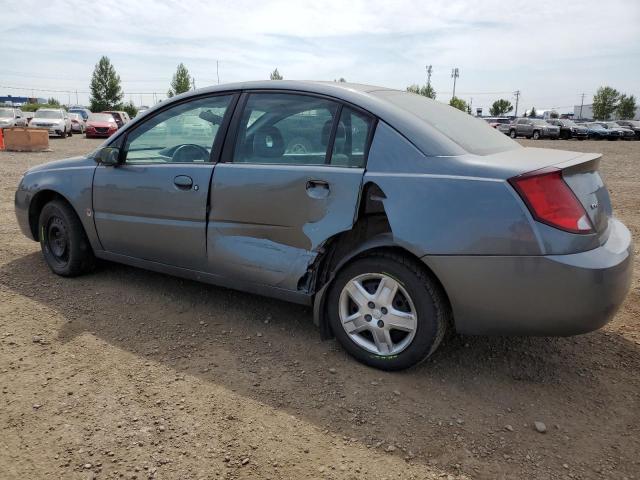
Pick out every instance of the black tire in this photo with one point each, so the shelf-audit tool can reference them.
(513, 133)
(63, 133)
(63, 241)
(431, 308)
(536, 135)
(70, 133)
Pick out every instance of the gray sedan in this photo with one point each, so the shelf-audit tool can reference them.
(400, 219)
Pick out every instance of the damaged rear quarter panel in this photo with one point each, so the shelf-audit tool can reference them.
(435, 207)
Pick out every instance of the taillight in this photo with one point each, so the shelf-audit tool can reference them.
(551, 201)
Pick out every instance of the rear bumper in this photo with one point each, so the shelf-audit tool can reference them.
(553, 295)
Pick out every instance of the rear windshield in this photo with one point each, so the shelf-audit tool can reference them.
(472, 134)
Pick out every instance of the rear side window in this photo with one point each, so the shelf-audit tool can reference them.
(281, 128)
(352, 133)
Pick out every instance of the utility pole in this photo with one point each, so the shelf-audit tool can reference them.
(429, 70)
(76, 97)
(517, 94)
(193, 82)
(581, 105)
(455, 73)
(471, 106)
(217, 72)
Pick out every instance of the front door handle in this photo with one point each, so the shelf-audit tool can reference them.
(317, 189)
(183, 182)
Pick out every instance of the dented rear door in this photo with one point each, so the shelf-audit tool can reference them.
(281, 193)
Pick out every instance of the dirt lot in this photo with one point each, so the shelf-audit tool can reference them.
(131, 374)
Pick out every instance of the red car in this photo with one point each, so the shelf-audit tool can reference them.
(100, 125)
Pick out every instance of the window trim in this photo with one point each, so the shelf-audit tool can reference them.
(214, 155)
(228, 149)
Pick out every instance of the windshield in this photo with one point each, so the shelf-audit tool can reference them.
(101, 117)
(594, 125)
(568, 123)
(48, 114)
(471, 133)
(6, 112)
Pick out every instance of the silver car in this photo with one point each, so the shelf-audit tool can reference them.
(401, 218)
(534, 128)
(12, 117)
(56, 120)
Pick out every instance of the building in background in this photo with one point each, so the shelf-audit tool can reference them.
(17, 100)
(587, 112)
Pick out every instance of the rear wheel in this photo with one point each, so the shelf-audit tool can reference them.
(387, 311)
(63, 241)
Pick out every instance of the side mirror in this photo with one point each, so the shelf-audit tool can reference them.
(108, 156)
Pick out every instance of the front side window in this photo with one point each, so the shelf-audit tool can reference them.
(278, 128)
(352, 134)
(184, 133)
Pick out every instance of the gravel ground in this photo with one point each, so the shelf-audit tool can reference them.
(131, 374)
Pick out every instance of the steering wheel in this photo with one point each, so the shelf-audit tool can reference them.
(190, 152)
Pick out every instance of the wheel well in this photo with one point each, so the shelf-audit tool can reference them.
(35, 207)
(371, 233)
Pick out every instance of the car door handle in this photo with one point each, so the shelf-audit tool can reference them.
(317, 189)
(183, 181)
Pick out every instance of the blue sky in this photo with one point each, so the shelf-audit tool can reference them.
(551, 51)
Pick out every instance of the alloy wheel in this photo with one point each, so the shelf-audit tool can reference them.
(378, 314)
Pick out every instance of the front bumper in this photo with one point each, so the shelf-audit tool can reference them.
(53, 130)
(21, 204)
(552, 295)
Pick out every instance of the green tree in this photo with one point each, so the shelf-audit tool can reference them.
(340, 80)
(554, 114)
(532, 112)
(130, 108)
(106, 93)
(424, 90)
(275, 75)
(458, 103)
(500, 107)
(626, 107)
(54, 102)
(605, 102)
(181, 81)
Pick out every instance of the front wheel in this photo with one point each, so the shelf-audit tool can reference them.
(387, 311)
(536, 135)
(513, 134)
(63, 241)
(63, 133)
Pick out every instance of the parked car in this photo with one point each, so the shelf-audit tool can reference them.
(623, 133)
(533, 128)
(100, 125)
(11, 117)
(77, 123)
(632, 124)
(120, 117)
(409, 218)
(141, 110)
(569, 129)
(84, 112)
(56, 120)
(598, 132)
(495, 122)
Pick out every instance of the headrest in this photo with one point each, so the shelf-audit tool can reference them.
(326, 132)
(268, 142)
